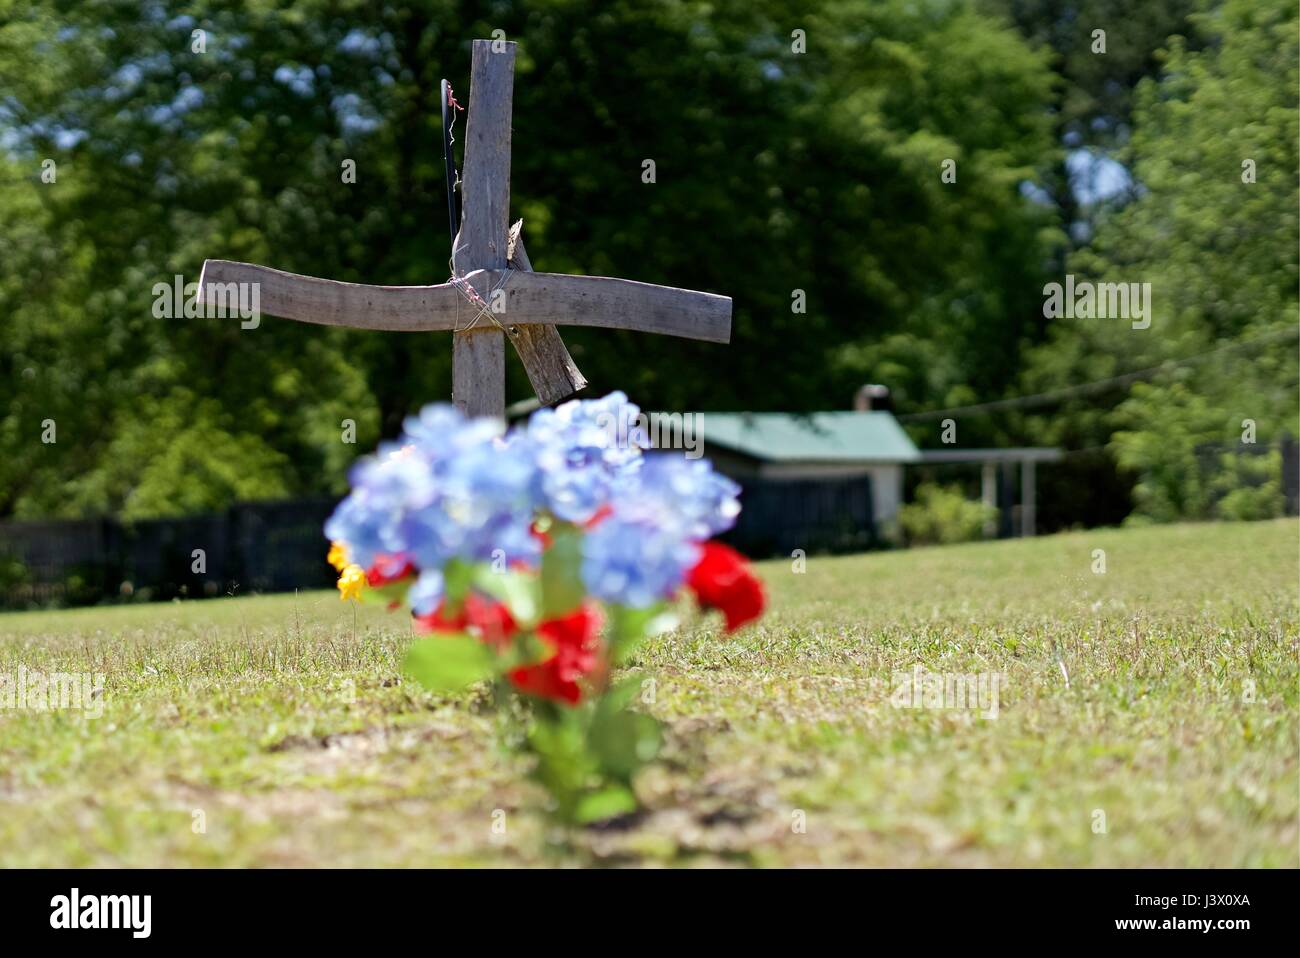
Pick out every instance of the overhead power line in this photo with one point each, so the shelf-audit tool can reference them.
(1086, 389)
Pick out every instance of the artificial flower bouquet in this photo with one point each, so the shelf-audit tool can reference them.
(538, 560)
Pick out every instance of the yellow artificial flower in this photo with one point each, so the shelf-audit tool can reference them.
(338, 556)
(351, 582)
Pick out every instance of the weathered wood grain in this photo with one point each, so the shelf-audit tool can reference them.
(550, 299)
(328, 302)
(551, 370)
(478, 379)
(558, 299)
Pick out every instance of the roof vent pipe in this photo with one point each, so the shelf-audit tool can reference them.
(871, 398)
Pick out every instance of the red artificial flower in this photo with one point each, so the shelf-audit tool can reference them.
(543, 537)
(576, 640)
(722, 580)
(546, 682)
(387, 570)
(439, 621)
(599, 516)
(488, 620)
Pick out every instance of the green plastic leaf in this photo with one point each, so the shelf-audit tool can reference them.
(449, 663)
(605, 803)
(457, 577)
(519, 591)
(394, 592)
(628, 627)
(623, 741)
(562, 588)
(527, 649)
(565, 767)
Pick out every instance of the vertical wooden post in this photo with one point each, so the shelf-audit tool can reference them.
(989, 496)
(1028, 497)
(478, 363)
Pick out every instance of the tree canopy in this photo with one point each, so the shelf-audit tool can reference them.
(800, 157)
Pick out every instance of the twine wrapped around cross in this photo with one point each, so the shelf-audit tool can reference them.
(481, 306)
(491, 271)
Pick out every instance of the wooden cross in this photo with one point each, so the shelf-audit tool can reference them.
(490, 268)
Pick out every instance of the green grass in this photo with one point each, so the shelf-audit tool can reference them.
(289, 728)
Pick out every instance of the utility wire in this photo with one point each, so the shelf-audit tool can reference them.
(1085, 389)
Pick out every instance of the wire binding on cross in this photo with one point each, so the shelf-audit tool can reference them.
(483, 308)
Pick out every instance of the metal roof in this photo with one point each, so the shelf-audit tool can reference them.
(829, 437)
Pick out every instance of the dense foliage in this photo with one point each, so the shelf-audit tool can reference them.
(780, 168)
(1214, 230)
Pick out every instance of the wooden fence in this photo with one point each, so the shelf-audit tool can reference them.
(253, 547)
(280, 546)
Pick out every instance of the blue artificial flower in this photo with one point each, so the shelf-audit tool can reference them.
(684, 491)
(643, 551)
(583, 449)
(488, 495)
(452, 488)
(372, 518)
(441, 431)
(635, 562)
(426, 594)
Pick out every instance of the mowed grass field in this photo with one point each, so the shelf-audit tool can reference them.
(1147, 716)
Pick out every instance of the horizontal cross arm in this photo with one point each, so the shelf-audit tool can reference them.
(548, 299)
(328, 302)
(560, 299)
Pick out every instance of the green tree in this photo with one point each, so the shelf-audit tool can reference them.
(1101, 50)
(780, 167)
(1215, 233)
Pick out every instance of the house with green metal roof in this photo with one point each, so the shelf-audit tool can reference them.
(811, 481)
(822, 445)
(846, 438)
(834, 480)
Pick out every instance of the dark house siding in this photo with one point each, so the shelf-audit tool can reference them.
(815, 515)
